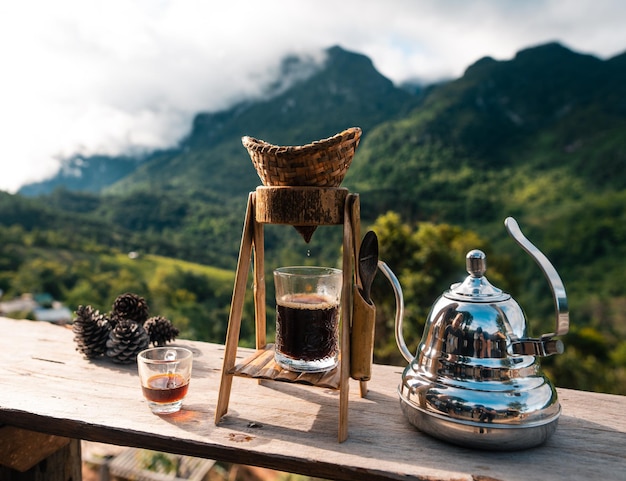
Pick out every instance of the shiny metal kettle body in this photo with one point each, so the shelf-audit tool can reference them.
(475, 379)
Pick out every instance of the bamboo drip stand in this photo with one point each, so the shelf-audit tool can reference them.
(301, 207)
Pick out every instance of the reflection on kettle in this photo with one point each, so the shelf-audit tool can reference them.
(476, 379)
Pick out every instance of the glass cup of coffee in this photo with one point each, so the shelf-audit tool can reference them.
(307, 318)
(164, 373)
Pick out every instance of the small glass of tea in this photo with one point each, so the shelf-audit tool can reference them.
(164, 373)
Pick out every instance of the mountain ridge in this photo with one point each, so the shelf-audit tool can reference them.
(526, 136)
(329, 98)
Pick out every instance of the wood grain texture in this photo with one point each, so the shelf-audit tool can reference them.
(258, 243)
(46, 386)
(39, 457)
(300, 206)
(261, 365)
(21, 449)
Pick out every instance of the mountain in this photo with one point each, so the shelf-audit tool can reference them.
(85, 174)
(548, 113)
(539, 136)
(345, 91)
(499, 113)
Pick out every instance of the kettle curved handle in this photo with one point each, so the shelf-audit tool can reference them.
(556, 284)
(397, 290)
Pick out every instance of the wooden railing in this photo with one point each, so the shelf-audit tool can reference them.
(50, 397)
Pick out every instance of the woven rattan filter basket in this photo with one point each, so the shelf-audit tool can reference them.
(322, 163)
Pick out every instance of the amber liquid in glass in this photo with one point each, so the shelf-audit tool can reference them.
(165, 388)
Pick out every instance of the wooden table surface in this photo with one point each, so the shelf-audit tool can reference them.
(46, 386)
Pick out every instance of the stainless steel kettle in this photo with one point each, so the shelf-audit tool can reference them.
(476, 379)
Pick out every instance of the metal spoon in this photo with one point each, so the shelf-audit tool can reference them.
(368, 264)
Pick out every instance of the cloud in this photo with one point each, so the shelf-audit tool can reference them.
(83, 76)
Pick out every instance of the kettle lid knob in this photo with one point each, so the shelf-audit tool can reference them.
(476, 287)
(476, 263)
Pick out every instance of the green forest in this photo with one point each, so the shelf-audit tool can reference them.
(539, 138)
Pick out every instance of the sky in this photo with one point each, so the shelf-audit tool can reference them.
(119, 76)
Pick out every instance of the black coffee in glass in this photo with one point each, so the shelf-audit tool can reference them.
(307, 317)
(307, 327)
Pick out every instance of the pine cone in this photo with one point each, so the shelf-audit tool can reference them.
(125, 341)
(114, 319)
(161, 330)
(91, 331)
(130, 306)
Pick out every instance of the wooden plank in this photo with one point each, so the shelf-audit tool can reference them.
(21, 449)
(61, 463)
(45, 385)
(261, 365)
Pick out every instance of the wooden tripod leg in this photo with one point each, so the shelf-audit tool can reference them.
(236, 310)
(346, 310)
(259, 281)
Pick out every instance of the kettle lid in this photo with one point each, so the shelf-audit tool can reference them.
(476, 287)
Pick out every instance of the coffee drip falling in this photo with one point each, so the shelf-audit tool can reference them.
(322, 163)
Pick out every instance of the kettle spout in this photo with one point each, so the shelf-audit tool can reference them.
(397, 290)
